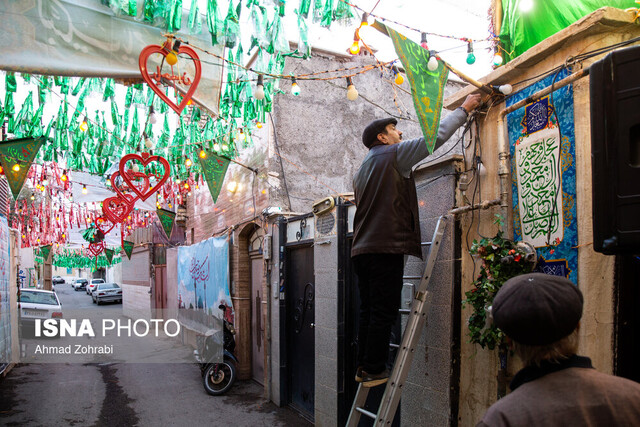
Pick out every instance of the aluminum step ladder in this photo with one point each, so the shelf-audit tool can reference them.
(404, 357)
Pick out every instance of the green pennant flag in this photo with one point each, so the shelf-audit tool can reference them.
(214, 169)
(166, 219)
(16, 158)
(427, 87)
(45, 251)
(128, 248)
(109, 254)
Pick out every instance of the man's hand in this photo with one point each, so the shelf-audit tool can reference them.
(472, 102)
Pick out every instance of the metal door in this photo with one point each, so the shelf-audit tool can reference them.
(257, 320)
(300, 318)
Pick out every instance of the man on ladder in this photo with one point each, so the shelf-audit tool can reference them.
(386, 228)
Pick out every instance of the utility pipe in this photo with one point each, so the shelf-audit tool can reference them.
(503, 143)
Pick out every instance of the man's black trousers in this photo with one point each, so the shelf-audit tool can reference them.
(380, 285)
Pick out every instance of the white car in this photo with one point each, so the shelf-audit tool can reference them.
(92, 284)
(38, 304)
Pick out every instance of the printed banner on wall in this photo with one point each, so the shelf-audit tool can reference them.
(5, 311)
(203, 283)
(544, 177)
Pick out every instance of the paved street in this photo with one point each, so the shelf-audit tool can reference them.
(128, 394)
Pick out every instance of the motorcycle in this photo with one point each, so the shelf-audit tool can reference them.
(217, 377)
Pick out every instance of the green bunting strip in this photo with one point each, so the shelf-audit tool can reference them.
(167, 220)
(45, 251)
(214, 169)
(16, 158)
(127, 246)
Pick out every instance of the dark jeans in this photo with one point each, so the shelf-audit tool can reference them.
(380, 285)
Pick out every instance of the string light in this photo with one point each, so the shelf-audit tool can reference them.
(188, 162)
(1, 170)
(186, 185)
(33, 196)
(153, 117)
(202, 154)
(423, 41)
(258, 93)
(295, 89)
(471, 58)
(16, 168)
(172, 57)
(497, 58)
(355, 47)
(399, 79)
(84, 189)
(526, 5)
(64, 176)
(352, 92)
(432, 64)
(259, 125)
(365, 20)
(84, 125)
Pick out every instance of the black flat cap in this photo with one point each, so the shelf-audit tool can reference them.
(537, 309)
(370, 134)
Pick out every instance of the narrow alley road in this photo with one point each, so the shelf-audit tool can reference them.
(128, 394)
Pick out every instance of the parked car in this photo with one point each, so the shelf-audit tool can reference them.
(92, 284)
(57, 280)
(80, 284)
(38, 304)
(106, 292)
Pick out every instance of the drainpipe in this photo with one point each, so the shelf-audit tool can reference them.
(503, 174)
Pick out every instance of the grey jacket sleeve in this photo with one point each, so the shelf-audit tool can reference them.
(412, 151)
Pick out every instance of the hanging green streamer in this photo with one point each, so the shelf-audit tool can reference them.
(231, 27)
(128, 98)
(344, 13)
(317, 10)
(174, 18)
(258, 19)
(76, 90)
(195, 22)
(10, 83)
(328, 15)
(303, 9)
(304, 48)
(279, 42)
(109, 90)
(214, 22)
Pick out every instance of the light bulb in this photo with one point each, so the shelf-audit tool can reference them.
(232, 187)
(225, 147)
(1, 170)
(365, 20)
(505, 89)
(202, 154)
(526, 5)
(33, 196)
(423, 41)
(295, 89)
(355, 47)
(64, 176)
(188, 162)
(259, 125)
(186, 185)
(352, 93)
(399, 79)
(259, 92)
(216, 147)
(16, 168)
(432, 64)
(172, 58)
(135, 168)
(45, 182)
(471, 58)
(84, 189)
(148, 143)
(497, 59)
(153, 117)
(84, 125)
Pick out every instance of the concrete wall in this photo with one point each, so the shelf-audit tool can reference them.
(136, 299)
(604, 27)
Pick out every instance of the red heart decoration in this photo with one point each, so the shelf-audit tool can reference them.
(116, 209)
(145, 159)
(155, 86)
(95, 248)
(133, 176)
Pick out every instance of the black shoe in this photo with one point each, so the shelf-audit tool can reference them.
(359, 374)
(372, 380)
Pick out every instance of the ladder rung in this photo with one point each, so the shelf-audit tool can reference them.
(425, 243)
(412, 277)
(394, 345)
(405, 311)
(367, 413)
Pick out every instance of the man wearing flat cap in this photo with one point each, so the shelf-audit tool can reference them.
(386, 228)
(541, 315)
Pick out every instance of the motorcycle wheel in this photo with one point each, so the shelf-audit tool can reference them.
(219, 377)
